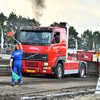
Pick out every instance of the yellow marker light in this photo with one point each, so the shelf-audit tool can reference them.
(34, 28)
(49, 68)
(30, 27)
(78, 53)
(46, 67)
(48, 28)
(38, 28)
(21, 27)
(46, 64)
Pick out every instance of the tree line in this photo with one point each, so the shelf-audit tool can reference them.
(14, 23)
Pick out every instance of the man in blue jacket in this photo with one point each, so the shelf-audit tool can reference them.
(16, 58)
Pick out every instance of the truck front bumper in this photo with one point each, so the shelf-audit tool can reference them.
(36, 70)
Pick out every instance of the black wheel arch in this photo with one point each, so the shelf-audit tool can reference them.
(60, 60)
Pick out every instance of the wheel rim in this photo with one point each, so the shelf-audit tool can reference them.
(82, 71)
(59, 72)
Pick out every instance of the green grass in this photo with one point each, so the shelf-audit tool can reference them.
(3, 65)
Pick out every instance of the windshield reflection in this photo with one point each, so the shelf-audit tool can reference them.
(35, 38)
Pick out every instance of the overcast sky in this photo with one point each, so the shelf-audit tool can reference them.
(82, 14)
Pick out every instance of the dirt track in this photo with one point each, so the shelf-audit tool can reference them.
(44, 87)
(4, 61)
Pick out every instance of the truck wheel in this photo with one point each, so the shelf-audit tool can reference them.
(82, 70)
(59, 71)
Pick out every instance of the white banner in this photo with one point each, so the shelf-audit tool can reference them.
(2, 40)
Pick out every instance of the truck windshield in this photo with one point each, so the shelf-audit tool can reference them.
(35, 38)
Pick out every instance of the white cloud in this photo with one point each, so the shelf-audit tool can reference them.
(19, 7)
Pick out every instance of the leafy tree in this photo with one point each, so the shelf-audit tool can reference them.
(14, 23)
(96, 36)
(11, 25)
(79, 42)
(87, 38)
(96, 39)
(3, 19)
(72, 37)
(55, 24)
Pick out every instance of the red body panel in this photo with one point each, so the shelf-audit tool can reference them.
(85, 55)
(71, 65)
(92, 59)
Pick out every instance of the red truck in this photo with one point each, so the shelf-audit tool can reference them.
(45, 51)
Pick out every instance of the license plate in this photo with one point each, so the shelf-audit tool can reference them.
(31, 71)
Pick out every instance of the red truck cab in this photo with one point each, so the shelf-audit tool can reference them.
(45, 51)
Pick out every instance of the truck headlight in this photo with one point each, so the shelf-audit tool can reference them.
(45, 64)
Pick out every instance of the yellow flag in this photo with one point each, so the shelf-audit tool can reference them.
(93, 45)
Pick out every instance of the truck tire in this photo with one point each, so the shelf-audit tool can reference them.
(82, 70)
(59, 71)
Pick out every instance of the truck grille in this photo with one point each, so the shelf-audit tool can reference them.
(31, 64)
(35, 56)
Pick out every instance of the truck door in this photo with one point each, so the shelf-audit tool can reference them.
(57, 51)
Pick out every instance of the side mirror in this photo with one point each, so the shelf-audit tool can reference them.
(53, 41)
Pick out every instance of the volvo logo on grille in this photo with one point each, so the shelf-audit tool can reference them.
(44, 57)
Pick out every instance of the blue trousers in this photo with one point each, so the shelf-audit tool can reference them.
(17, 67)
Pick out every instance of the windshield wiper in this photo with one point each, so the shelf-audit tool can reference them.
(30, 43)
(25, 43)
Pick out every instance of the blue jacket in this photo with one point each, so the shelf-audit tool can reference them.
(17, 56)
